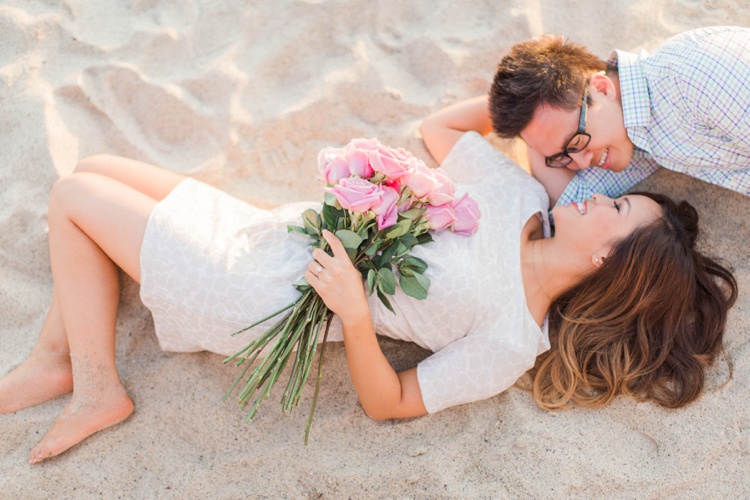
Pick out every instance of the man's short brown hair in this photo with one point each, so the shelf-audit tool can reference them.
(541, 71)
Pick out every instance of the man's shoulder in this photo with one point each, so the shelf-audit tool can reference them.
(700, 44)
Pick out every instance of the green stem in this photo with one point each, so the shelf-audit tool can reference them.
(320, 377)
(266, 318)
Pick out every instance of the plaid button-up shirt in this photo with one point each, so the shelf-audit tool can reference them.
(686, 107)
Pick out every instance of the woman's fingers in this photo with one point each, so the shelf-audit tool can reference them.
(314, 267)
(339, 254)
(336, 246)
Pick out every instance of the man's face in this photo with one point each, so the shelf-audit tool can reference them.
(610, 148)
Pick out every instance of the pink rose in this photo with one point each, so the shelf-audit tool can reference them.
(394, 183)
(336, 170)
(467, 216)
(421, 180)
(358, 195)
(386, 210)
(357, 153)
(392, 163)
(444, 191)
(440, 217)
(332, 164)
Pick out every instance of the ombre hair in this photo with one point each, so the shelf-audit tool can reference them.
(646, 324)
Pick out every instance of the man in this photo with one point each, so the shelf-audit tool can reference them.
(685, 107)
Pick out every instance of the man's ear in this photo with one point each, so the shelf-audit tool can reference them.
(602, 84)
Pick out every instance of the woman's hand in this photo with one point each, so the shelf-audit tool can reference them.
(382, 392)
(337, 281)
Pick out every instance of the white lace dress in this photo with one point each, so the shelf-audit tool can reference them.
(211, 264)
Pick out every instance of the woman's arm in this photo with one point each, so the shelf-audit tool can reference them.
(383, 392)
(442, 129)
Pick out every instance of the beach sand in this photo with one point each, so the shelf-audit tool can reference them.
(243, 95)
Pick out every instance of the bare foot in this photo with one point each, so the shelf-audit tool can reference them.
(42, 377)
(79, 420)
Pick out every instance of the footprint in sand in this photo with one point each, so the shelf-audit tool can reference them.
(156, 117)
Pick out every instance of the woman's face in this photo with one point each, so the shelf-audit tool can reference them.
(594, 226)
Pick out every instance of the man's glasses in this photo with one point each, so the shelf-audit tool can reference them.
(577, 143)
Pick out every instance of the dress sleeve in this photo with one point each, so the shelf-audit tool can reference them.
(473, 368)
(613, 184)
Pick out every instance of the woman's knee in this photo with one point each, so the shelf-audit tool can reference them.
(69, 190)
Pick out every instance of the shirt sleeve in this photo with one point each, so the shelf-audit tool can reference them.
(613, 184)
(473, 368)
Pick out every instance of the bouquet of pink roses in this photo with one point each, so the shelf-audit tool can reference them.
(380, 202)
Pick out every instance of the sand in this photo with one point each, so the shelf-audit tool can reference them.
(243, 95)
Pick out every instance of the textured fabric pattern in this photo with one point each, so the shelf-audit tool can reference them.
(686, 106)
(613, 184)
(211, 264)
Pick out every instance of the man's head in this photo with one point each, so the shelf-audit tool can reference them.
(556, 95)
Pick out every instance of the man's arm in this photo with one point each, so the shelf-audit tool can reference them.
(442, 129)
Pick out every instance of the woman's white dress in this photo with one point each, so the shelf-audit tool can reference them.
(211, 264)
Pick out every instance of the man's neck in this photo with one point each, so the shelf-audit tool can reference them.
(614, 76)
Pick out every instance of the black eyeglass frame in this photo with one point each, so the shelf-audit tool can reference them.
(562, 160)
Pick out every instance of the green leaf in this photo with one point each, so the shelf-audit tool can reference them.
(401, 250)
(301, 284)
(296, 229)
(424, 238)
(423, 280)
(412, 287)
(387, 255)
(399, 229)
(385, 301)
(371, 277)
(364, 230)
(386, 281)
(372, 249)
(413, 213)
(331, 215)
(331, 200)
(349, 239)
(408, 239)
(312, 221)
(414, 264)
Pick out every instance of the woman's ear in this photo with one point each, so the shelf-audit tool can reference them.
(602, 84)
(598, 258)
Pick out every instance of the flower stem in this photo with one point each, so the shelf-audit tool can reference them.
(320, 377)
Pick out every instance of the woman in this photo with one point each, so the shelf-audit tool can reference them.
(209, 264)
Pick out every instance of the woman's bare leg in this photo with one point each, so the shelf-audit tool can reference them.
(96, 225)
(155, 182)
(46, 374)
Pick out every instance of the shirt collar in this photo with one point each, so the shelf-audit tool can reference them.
(636, 103)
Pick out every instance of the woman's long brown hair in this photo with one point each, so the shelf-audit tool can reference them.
(646, 324)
